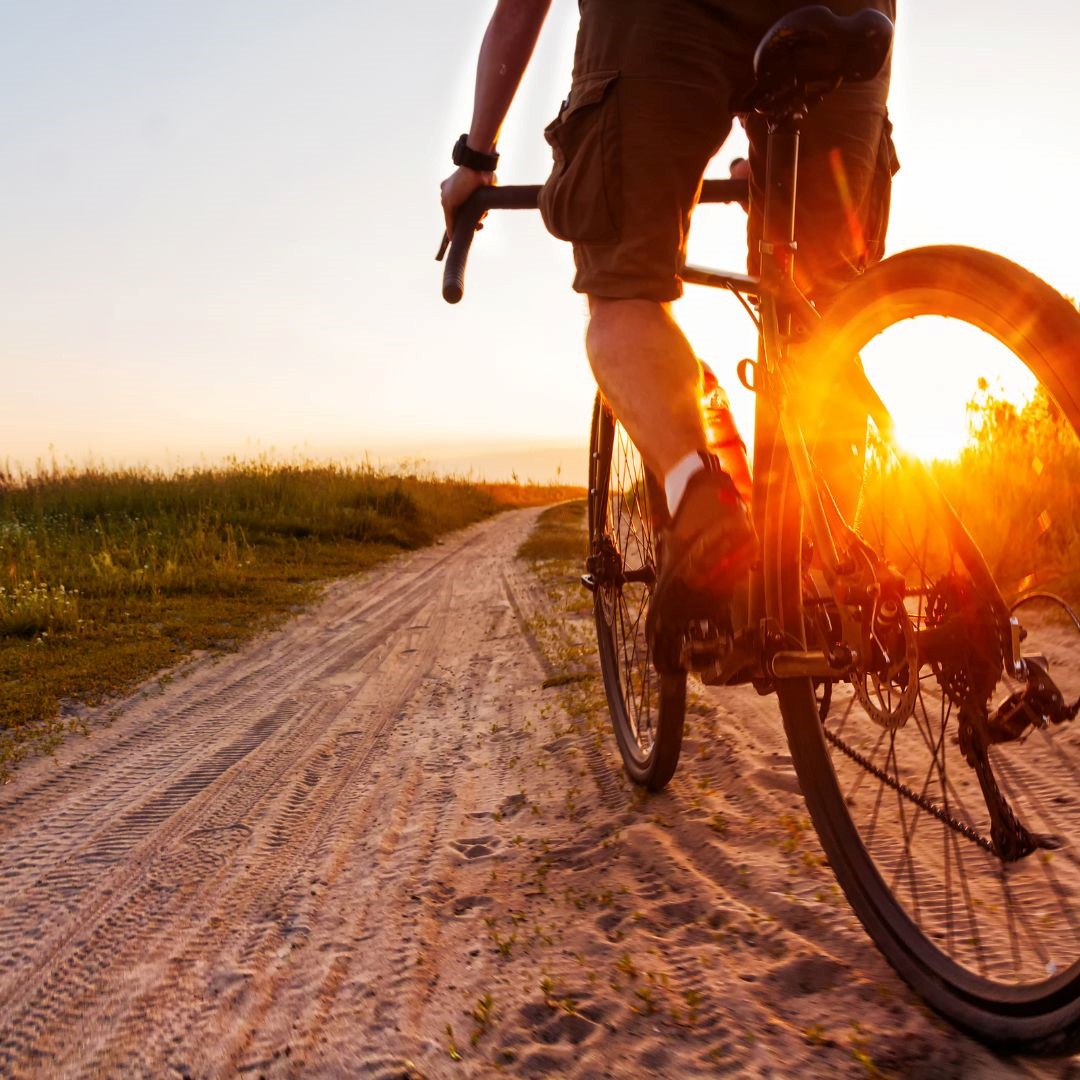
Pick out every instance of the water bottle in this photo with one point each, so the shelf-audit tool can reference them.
(724, 439)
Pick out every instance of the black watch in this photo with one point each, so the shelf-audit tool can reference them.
(473, 159)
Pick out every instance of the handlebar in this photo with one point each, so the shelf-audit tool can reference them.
(523, 197)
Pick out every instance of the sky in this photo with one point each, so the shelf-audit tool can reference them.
(219, 219)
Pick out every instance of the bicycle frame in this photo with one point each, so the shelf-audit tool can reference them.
(784, 318)
(781, 307)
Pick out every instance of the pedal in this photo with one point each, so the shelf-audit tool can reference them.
(737, 665)
(705, 645)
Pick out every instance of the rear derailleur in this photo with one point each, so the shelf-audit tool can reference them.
(1036, 706)
(977, 732)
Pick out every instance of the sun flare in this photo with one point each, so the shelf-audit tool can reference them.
(932, 373)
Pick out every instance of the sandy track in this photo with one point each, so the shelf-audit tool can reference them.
(374, 843)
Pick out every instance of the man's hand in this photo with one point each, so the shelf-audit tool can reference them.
(508, 43)
(457, 188)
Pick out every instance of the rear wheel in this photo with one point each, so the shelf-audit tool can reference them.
(949, 808)
(625, 508)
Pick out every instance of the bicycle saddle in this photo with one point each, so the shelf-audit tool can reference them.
(812, 51)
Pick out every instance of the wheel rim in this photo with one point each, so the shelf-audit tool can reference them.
(625, 585)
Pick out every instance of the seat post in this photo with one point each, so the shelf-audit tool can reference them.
(778, 226)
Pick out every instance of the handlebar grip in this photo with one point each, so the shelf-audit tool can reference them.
(511, 197)
(453, 280)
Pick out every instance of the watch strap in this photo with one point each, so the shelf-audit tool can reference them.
(473, 159)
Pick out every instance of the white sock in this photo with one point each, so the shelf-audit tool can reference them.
(675, 482)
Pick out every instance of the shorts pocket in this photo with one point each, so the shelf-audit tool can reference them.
(581, 199)
(881, 195)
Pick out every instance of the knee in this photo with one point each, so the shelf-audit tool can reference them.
(617, 316)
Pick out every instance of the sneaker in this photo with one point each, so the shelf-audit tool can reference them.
(708, 547)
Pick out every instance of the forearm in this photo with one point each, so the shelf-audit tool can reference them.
(507, 47)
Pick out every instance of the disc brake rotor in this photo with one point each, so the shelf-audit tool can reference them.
(888, 690)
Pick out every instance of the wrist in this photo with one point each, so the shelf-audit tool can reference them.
(464, 156)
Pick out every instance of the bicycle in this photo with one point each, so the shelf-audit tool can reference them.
(873, 613)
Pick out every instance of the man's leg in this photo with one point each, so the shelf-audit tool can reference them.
(648, 108)
(649, 105)
(650, 375)
(651, 378)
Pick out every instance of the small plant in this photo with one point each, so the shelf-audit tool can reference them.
(504, 945)
(540, 935)
(33, 608)
(451, 1046)
(861, 1055)
(481, 1012)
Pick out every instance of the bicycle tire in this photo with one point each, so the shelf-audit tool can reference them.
(990, 944)
(647, 709)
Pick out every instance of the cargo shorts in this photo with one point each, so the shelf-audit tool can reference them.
(655, 89)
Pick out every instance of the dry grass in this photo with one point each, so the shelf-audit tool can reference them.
(1017, 489)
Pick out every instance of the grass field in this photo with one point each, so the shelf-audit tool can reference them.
(107, 577)
(1016, 489)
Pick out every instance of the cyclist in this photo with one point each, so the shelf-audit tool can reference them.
(655, 88)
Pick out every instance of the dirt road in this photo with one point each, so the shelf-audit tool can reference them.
(376, 844)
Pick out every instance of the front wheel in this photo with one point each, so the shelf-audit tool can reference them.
(950, 817)
(625, 508)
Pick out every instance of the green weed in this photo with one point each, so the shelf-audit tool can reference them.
(107, 577)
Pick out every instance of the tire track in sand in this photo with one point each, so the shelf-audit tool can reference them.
(209, 810)
(374, 844)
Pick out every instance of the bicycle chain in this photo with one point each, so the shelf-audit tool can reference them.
(922, 801)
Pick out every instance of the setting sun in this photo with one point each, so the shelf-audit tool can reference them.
(931, 372)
